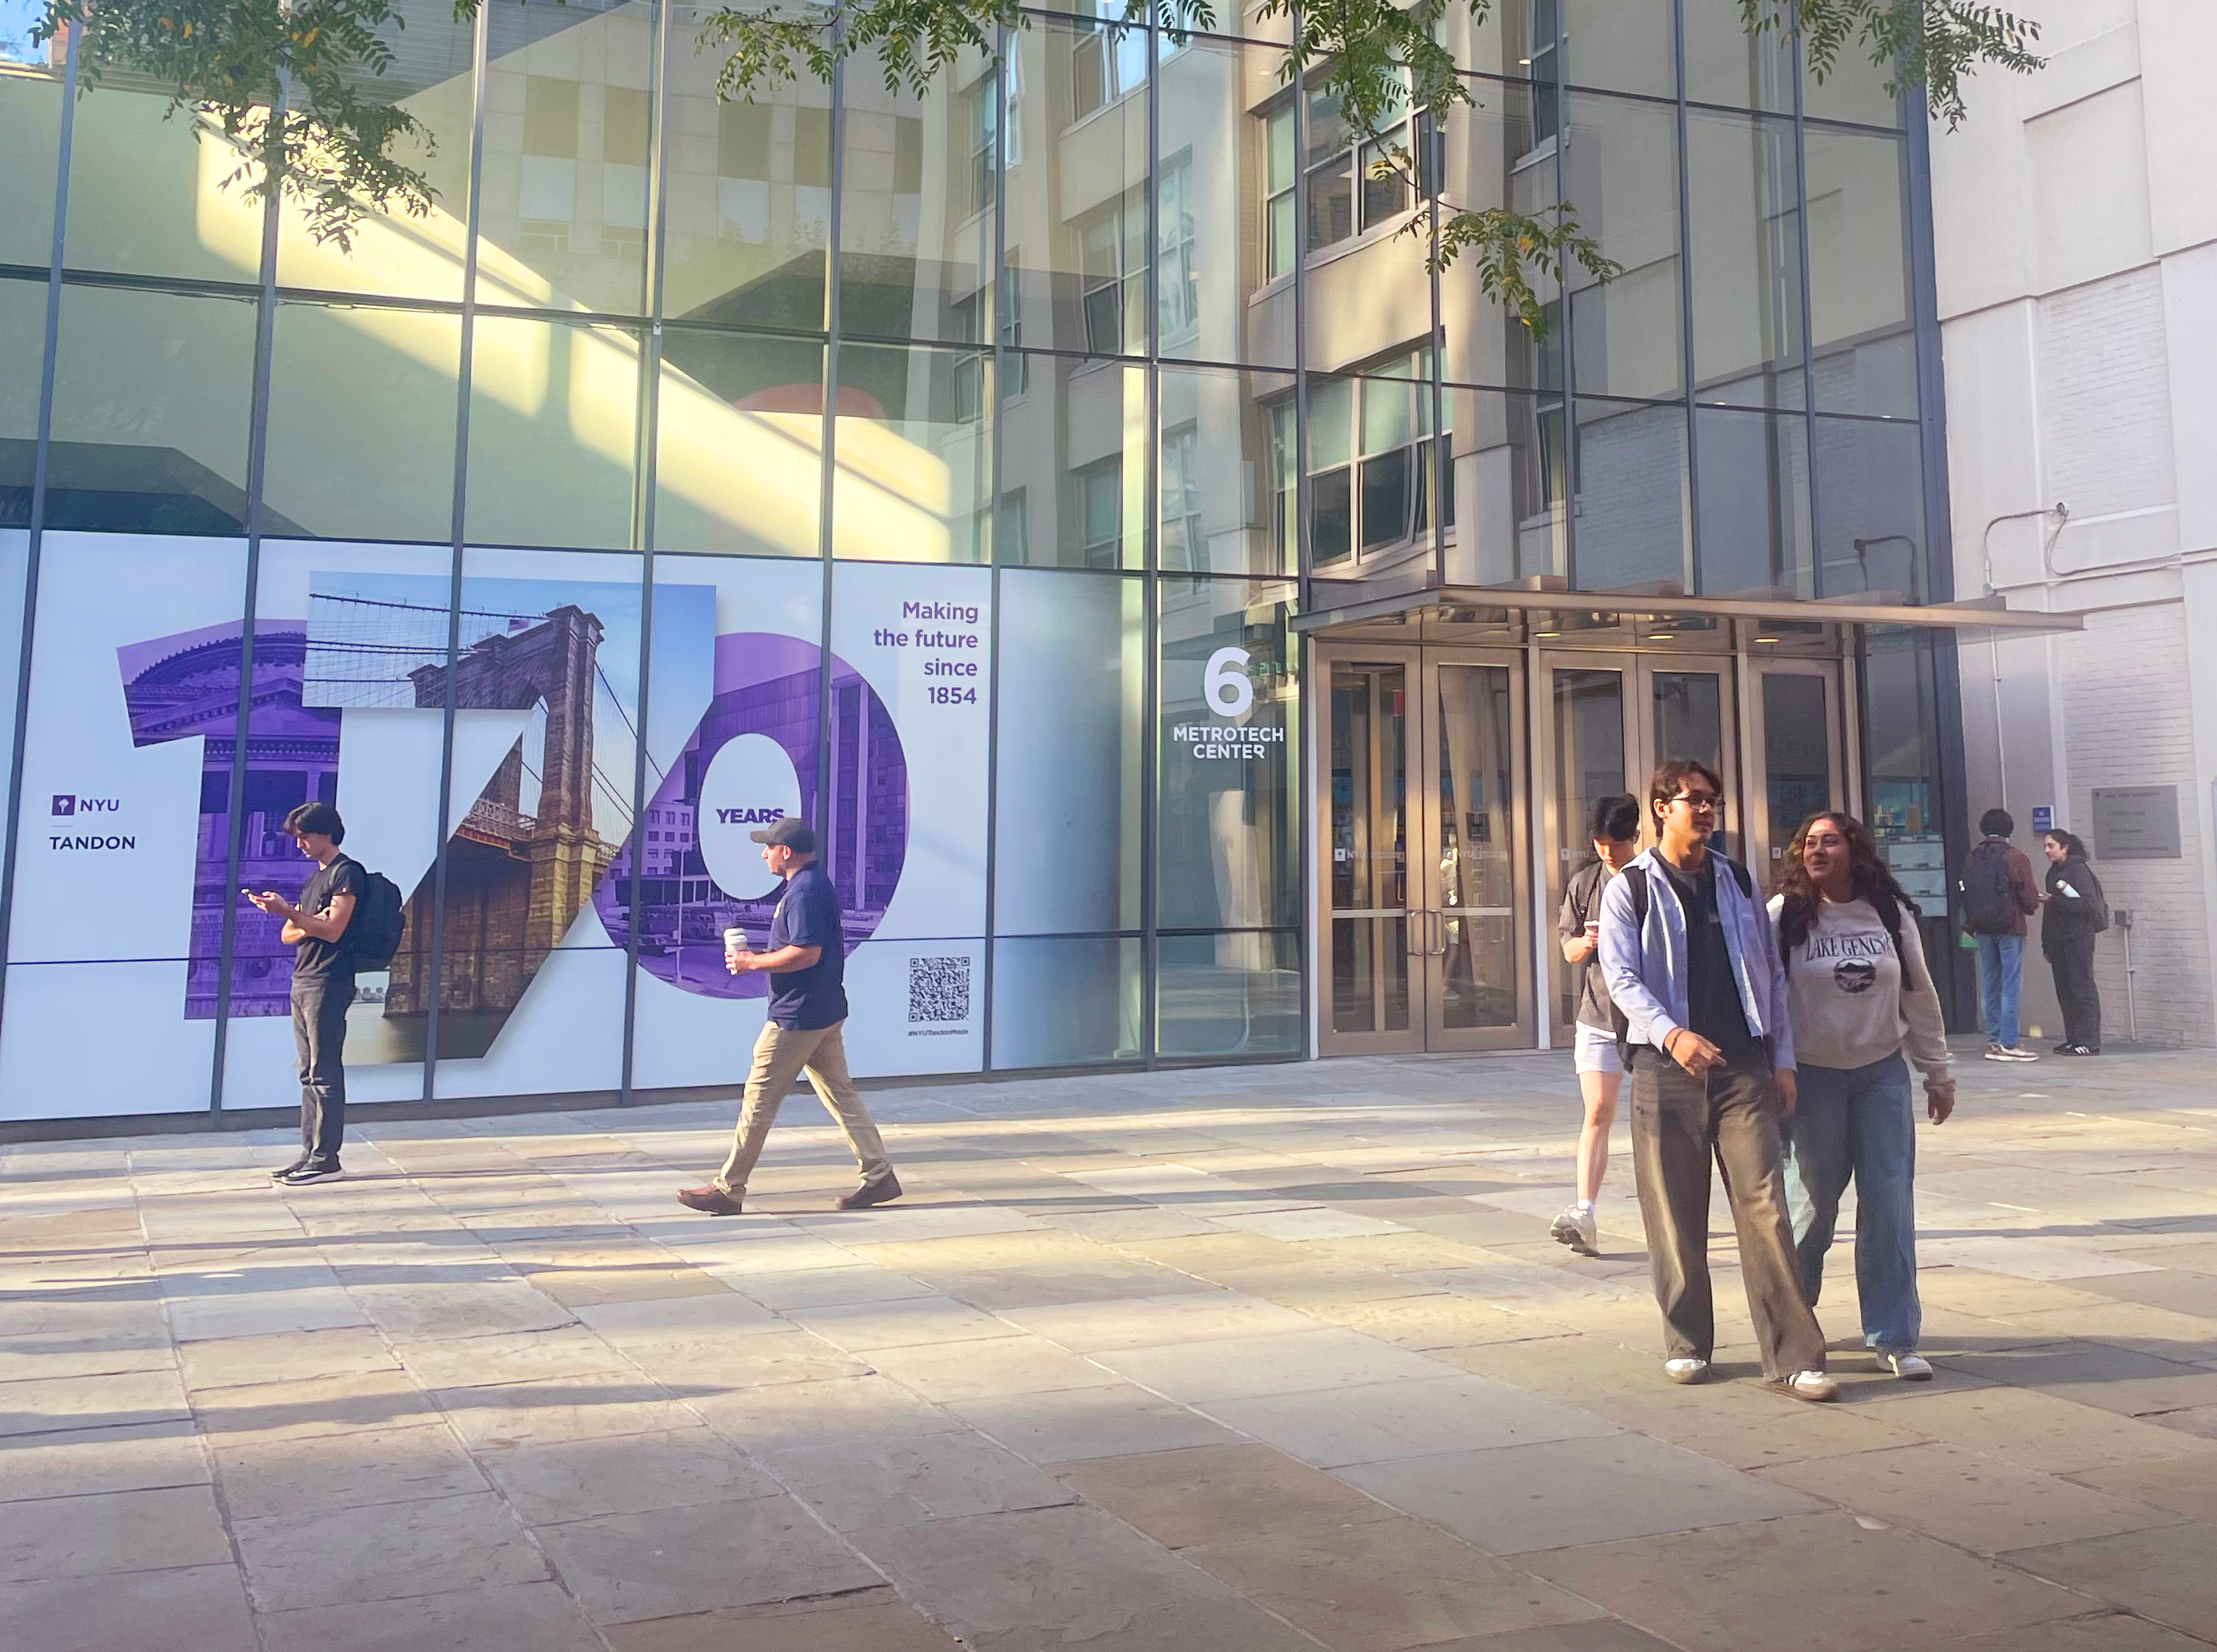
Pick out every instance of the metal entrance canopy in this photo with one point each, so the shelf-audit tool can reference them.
(1463, 605)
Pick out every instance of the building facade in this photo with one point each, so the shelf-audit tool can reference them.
(2077, 265)
(1197, 627)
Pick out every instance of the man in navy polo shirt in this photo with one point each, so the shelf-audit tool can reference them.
(806, 963)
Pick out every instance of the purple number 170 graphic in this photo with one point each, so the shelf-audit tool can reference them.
(549, 831)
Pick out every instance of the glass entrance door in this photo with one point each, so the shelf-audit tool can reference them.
(1423, 853)
(1609, 720)
(1798, 752)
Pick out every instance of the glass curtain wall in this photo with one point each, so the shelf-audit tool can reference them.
(1112, 339)
(1711, 420)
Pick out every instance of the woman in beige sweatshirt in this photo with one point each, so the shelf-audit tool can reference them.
(1859, 995)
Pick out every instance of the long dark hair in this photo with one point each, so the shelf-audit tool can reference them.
(1869, 880)
(2074, 846)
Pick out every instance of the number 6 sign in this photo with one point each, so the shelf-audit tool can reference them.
(1225, 683)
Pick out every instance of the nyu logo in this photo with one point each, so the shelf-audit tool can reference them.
(65, 803)
(748, 816)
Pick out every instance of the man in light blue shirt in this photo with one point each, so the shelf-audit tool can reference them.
(1691, 963)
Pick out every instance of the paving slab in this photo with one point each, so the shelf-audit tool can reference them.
(1977, 1502)
(1208, 1493)
(664, 1562)
(1379, 1586)
(1056, 1577)
(263, 1476)
(134, 1458)
(540, 1616)
(385, 1552)
(2165, 1572)
(202, 1606)
(1076, 1424)
(1731, 1587)
(627, 1474)
(858, 1622)
(854, 1485)
(1557, 1493)
(1382, 1421)
(103, 1532)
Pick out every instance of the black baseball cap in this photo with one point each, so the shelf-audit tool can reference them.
(792, 831)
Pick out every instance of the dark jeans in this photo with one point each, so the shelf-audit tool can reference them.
(2073, 962)
(319, 1033)
(1679, 1122)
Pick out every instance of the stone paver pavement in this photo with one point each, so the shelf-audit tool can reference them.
(1225, 1360)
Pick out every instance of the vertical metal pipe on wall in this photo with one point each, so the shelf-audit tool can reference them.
(257, 453)
(1151, 581)
(994, 319)
(432, 992)
(646, 468)
(38, 534)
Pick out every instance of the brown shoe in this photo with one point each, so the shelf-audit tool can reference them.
(879, 1190)
(709, 1201)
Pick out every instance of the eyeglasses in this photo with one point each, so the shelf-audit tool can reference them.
(1697, 803)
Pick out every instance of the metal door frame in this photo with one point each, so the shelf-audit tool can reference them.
(1637, 671)
(1846, 789)
(1424, 920)
(1326, 659)
(1521, 1032)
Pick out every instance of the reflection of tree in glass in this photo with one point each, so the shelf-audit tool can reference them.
(296, 88)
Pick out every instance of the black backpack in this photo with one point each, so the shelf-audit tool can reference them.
(1989, 903)
(373, 934)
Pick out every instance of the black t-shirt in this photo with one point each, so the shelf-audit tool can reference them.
(808, 915)
(318, 960)
(1582, 905)
(1713, 1005)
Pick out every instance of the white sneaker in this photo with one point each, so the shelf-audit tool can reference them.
(1575, 1228)
(1909, 1367)
(1807, 1385)
(2018, 1053)
(1996, 1053)
(1687, 1370)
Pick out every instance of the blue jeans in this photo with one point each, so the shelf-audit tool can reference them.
(1859, 1119)
(2001, 976)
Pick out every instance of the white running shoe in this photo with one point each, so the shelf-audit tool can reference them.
(1576, 1229)
(2018, 1053)
(1687, 1370)
(1909, 1366)
(1807, 1385)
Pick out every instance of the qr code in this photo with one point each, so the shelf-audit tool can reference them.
(938, 989)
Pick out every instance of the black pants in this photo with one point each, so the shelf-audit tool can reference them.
(2073, 962)
(1680, 1123)
(319, 1035)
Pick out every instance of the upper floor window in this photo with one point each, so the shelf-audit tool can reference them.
(985, 131)
(1108, 61)
(1542, 66)
(1370, 461)
(1345, 198)
(1179, 289)
(1113, 276)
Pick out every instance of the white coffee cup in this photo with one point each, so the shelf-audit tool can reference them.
(735, 941)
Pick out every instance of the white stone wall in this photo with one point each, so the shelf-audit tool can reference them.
(2075, 240)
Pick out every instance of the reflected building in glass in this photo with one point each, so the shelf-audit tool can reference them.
(1311, 598)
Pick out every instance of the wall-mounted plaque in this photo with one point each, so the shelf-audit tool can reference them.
(2136, 822)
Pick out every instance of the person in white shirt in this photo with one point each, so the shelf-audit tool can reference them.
(1858, 995)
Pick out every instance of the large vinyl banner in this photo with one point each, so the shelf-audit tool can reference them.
(560, 680)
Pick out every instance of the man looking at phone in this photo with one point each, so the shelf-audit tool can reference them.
(323, 986)
(1692, 961)
(806, 965)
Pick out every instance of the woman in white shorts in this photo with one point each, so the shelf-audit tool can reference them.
(1615, 828)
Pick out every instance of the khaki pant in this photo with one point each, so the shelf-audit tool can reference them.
(1678, 1122)
(783, 1054)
